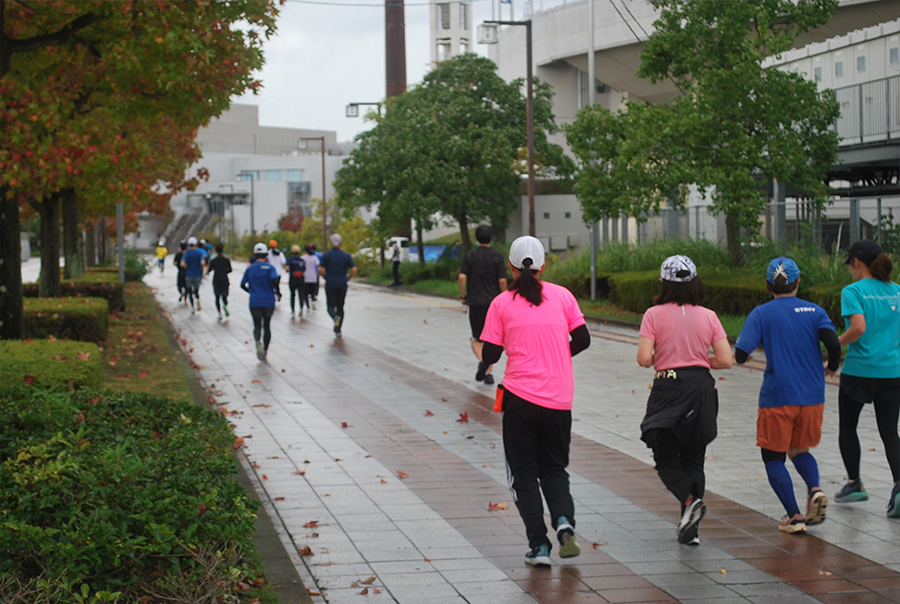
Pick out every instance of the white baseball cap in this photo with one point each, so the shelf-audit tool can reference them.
(679, 269)
(192, 241)
(526, 247)
(260, 248)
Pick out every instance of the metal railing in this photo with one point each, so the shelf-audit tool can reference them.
(870, 111)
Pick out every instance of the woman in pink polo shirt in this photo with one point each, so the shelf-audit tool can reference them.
(541, 328)
(681, 413)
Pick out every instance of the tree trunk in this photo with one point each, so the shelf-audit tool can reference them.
(49, 209)
(419, 243)
(90, 246)
(100, 229)
(733, 235)
(71, 236)
(464, 234)
(12, 326)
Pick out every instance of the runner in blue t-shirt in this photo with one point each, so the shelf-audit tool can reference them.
(334, 267)
(871, 373)
(259, 280)
(792, 397)
(193, 261)
(296, 269)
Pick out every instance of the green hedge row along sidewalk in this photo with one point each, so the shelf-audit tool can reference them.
(113, 291)
(73, 318)
(49, 362)
(119, 495)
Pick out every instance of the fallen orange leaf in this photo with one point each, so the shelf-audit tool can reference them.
(312, 524)
(402, 475)
(428, 413)
(463, 417)
(305, 551)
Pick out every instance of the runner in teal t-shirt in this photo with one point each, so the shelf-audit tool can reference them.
(871, 373)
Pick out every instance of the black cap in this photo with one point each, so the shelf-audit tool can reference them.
(864, 249)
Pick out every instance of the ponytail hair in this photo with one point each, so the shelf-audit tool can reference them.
(527, 284)
(882, 267)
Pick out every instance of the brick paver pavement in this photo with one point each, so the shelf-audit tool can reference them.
(359, 455)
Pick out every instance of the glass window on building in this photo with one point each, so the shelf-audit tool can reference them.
(817, 74)
(568, 215)
(294, 175)
(443, 51)
(273, 174)
(249, 174)
(546, 215)
(861, 63)
(463, 48)
(839, 69)
(463, 11)
(895, 55)
(443, 15)
(299, 195)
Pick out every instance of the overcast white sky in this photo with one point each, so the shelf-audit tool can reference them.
(328, 53)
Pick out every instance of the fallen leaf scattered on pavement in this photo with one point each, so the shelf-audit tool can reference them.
(300, 472)
(596, 545)
(279, 499)
(364, 591)
(344, 425)
(256, 382)
(402, 475)
(312, 524)
(463, 417)
(493, 507)
(368, 581)
(428, 413)
(305, 551)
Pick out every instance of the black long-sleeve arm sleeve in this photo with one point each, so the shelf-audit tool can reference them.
(833, 346)
(581, 339)
(741, 356)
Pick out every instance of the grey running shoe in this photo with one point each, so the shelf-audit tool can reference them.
(260, 351)
(852, 492)
(565, 532)
(539, 556)
(792, 524)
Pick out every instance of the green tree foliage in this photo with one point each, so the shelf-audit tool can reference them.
(736, 122)
(450, 148)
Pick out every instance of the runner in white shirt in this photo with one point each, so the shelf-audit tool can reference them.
(276, 258)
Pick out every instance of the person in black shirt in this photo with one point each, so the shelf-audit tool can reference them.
(296, 268)
(481, 278)
(182, 288)
(220, 266)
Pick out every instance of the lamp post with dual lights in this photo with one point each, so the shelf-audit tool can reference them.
(302, 144)
(487, 34)
(251, 174)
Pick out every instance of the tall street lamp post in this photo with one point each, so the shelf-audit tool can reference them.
(303, 143)
(353, 108)
(488, 35)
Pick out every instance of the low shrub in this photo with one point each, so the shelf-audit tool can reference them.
(446, 269)
(48, 362)
(83, 319)
(130, 495)
(136, 266)
(113, 291)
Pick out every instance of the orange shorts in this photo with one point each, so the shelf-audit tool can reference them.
(789, 427)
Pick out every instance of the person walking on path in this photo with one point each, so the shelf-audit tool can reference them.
(482, 278)
(260, 281)
(296, 270)
(180, 278)
(680, 421)
(161, 253)
(338, 268)
(792, 396)
(541, 328)
(276, 258)
(220, 266)
(310, 278)
(871, 373)
(193, 261)
(395, 263)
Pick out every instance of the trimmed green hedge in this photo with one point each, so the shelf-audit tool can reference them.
(48, 362)
(120, 493)
(734, 293)
(83, 319)
(114, 292)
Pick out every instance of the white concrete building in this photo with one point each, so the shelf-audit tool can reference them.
(451, 30)
(859, 44)
(251, 167)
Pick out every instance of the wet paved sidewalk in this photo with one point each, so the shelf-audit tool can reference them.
(360, 455)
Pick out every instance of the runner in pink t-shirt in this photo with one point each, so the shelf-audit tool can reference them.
(681, 413)
(541, 328)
